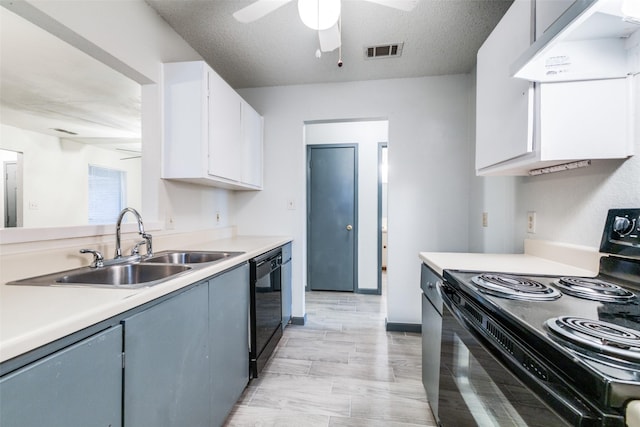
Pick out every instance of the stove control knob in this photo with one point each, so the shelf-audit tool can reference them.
(623, 226)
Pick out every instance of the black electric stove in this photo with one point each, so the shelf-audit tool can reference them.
(574, 340)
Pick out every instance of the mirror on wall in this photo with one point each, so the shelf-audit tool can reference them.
(63, 116)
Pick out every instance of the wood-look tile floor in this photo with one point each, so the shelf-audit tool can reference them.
(340, 369)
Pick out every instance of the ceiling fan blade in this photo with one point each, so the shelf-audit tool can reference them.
(404, 5)
(329, 38)
(258, 9)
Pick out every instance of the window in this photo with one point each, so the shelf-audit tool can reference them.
(107, 194)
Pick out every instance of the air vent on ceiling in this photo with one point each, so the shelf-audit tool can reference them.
(383, 51)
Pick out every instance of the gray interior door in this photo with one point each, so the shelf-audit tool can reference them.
(332, 209)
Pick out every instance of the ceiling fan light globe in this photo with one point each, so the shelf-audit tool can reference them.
(319, 14)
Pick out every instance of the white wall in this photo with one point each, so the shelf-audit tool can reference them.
(367, 135)
(133, 39)
(429, 170)
(55, 181)
(493, 195)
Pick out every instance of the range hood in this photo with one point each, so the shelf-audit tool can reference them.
(593, 39)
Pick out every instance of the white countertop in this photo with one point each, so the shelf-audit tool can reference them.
(503, 263)
(32, 316)
(540, 257)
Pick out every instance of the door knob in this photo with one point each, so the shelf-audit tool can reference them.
(349, 227)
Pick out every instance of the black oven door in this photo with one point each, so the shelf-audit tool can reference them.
(476, 389)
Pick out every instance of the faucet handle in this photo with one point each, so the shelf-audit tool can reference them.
(136, 248)
(147, 239)
(98, 259)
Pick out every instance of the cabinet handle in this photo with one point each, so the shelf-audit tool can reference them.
(349, 227)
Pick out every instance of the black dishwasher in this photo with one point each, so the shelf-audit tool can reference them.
(265, 309)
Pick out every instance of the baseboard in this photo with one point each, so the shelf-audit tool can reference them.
(403, 327)
(300, 321)
(368, 291)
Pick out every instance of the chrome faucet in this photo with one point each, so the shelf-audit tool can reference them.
(145, 236)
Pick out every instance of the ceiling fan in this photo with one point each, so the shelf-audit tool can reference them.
(320, 15)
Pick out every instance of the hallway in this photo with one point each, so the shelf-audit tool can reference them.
(341, 369)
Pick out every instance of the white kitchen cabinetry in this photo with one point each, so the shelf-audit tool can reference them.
(212, 136)
(520, 127)
(504, 105)
(251, 146)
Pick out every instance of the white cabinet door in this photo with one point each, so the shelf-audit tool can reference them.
(251, 146)
(211, 135)
(224, 130)
(585, 120)
(504, 105)
(185, 120)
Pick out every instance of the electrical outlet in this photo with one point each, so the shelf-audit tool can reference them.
(33, 205)
(531, 222)
(485, 219)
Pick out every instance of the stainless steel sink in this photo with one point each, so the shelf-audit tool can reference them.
(126, 276)
(190, 257)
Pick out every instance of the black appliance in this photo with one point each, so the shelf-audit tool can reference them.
(541, 350)
(266, 308)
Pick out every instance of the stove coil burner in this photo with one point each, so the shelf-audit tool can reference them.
(514, 287)
(593, 289)
(596, 335)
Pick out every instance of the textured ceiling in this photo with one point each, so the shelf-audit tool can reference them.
(440, 37)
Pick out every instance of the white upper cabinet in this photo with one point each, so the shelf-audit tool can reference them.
(251, 133)
(212, 136)
(225, 132)
(504, 105)
(522, 126)
(584, 40)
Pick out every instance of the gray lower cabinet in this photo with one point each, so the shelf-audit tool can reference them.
(186, 363)
(431, 335)
(80, 385)
(286, 284)
(166, 374)
(228, 340)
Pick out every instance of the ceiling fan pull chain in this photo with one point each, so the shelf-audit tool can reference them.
(340, 45)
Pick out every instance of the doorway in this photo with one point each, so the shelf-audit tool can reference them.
(382, 214)
(10, 172)
(332, 187)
